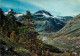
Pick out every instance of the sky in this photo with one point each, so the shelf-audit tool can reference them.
(55, 7)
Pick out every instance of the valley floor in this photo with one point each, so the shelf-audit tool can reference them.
(64, 44)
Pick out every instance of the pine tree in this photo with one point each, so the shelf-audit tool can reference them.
(29, 20)
(28, 15)
(12, 24)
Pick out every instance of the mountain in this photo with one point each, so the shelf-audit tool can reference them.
(69, 36)
(65, 19)
(43, 13)
(19, 16)
(45, 22)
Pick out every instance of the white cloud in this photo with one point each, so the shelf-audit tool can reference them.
(58, 7)
(64, 7)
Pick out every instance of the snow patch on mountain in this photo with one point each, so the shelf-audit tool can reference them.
(19, 16)
(43, 13)
(46, 15)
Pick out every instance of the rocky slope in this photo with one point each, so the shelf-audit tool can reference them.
(46, 23)
(69, 36)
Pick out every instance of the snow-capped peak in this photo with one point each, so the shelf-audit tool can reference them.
(44, 13)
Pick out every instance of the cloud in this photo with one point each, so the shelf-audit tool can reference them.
(57, 7)
(63, 7)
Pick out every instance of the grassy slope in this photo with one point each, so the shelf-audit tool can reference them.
(69, 36)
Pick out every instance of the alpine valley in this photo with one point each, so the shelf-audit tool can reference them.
(34, 34)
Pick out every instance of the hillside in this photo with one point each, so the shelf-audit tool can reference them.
(69, 36)
(71, 28)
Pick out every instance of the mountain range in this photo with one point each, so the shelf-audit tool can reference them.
(64, 30)
(44, 21)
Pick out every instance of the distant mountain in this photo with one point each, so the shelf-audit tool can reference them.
(43, 13)
(46, 23)
(64, 19)
(19, 16)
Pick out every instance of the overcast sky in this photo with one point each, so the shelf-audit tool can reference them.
(55, 7)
